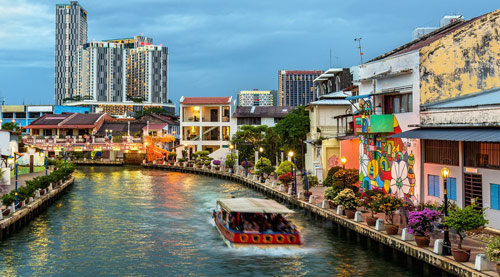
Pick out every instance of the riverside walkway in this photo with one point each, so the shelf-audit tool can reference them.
(360, 230)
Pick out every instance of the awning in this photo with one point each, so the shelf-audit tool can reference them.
(253, 205)
(373, 94)
(453, 134)
(358, 96)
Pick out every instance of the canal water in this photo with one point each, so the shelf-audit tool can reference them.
(132, 221)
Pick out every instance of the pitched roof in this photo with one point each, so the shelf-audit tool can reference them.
(51, 119)
(427, 39)
(170, 120)
(120, 127)
(83, 119)
(205, 100)
(262, 111)
(155, 126)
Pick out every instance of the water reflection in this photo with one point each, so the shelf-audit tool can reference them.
(126, 220)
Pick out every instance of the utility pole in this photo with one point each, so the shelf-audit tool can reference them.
(360, 52)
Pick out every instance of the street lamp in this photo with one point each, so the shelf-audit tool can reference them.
(146, 146)
(343, 161)
(294, 170)
(261, 170)
(445, 172)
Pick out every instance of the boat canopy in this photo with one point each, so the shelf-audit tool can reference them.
(253, 205)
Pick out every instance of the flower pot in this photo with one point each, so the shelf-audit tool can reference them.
(461, 255)
(422, 241)
(392, 229)
(332, 204)
(350, 213)
(6, 212)
(371, 221)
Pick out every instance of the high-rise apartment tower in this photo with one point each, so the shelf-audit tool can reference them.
(295, 87)
(71, 32)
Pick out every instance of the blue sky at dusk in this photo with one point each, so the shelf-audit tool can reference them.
(217, 48)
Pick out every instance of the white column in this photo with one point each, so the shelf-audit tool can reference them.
(256, 157)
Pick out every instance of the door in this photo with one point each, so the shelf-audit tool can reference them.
(214, 115)
(473, 184)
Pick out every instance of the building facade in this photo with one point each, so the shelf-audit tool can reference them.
(205, 124)
(295, 87)
(248, 98)
(23, 115)
(71, 32)
(122, 76)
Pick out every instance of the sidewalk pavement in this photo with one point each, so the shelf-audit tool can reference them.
(21, 181)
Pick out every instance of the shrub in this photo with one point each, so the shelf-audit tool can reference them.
(216, 162)
(421, 223)
(200, 154)
(231, 160)
(493, 250)
(312, 181)
(368, 198)
(285, 167)
(286, 178)
(264, 166)
(330, 179)
(8, 199)
(181, 160)
(347, 198)
(387, 204)
(331, 192)
(172, 155)
(346, 178)
(465, 219)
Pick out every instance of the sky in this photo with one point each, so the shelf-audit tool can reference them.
(218, 47)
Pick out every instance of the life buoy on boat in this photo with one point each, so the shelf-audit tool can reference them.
(291, 238)
(280, 238)
(243, 238)
(255, 238)
(268, 238)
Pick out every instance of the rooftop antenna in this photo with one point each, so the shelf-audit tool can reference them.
(360, 52)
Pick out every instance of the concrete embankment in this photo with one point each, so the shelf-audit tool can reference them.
(14, 221)
(394, 246)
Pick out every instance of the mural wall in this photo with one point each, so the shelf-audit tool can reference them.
(384, 162)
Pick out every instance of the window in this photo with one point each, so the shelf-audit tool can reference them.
(441, 152)
(451, 187)
(249, 121)
(481, 154)
(473, 185)
(398, 103)
(433, 185)
(495, 196)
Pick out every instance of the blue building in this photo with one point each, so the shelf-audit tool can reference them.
(23, 115)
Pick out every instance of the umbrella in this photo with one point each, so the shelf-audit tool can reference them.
(246, 167)
(306, 183)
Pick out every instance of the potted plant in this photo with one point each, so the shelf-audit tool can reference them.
(347, 198)
(171, 157)
(330, 178)
(463, 220)
(493, 252)
(216, 164)
(181, 161)
(286, 179)
(312, 181)
(284, 167)
(421, 224)
(368, 201)
(230, 161)
(330, 193)
(262, 165)
(388, 204)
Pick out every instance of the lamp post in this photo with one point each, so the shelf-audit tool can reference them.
(343, 161)
(261, 171)
(294, 172)
(65, 157)
(45, 158)
(445, 172)
(146, 146)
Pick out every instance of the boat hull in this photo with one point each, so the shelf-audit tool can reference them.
(259, 240)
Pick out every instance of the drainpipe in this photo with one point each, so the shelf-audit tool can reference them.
(422, 173)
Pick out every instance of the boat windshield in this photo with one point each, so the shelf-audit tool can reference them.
(256, 223)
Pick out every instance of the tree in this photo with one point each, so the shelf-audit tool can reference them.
(248, 139)
(293, 130)
(12, 126)
(152, 110)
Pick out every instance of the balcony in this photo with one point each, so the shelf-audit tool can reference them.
(78, 143)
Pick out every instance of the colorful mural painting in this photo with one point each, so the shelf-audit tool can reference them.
(384, 162)
(333, 161)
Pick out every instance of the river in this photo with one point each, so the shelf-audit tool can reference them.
(133, 221)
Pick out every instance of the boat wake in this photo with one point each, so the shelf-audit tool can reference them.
(270, 252)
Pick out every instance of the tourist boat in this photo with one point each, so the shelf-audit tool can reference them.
(234, 216)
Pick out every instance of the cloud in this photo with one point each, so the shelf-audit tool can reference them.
(25, 25)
